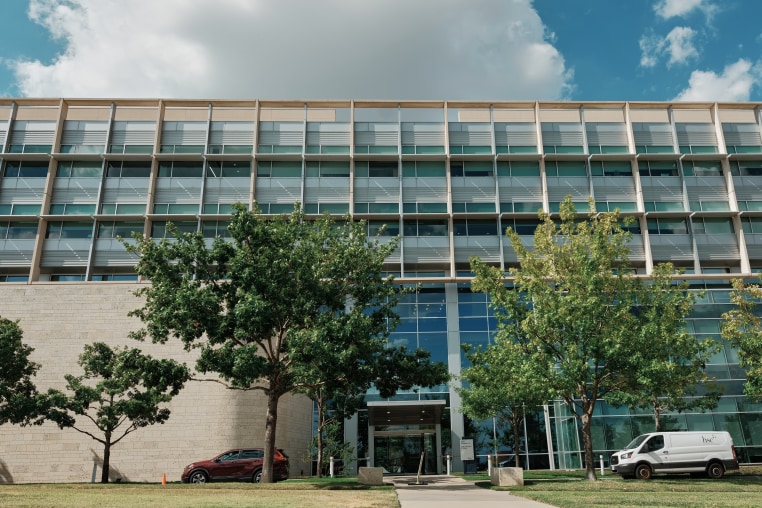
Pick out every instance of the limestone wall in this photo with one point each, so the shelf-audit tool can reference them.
(57, 321)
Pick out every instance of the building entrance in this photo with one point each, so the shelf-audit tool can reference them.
(399, 432)
(401, 453)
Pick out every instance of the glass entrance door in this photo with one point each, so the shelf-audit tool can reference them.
(400, 453)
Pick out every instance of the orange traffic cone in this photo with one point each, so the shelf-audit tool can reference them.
(164, 479)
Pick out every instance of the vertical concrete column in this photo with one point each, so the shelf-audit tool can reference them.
(453, 361)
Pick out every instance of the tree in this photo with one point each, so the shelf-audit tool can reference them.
(742, 327)
(284, 292)
(337, 379)
(121, 391)
(502, 383)
(19, 400)
(572, 305)
(666, 371)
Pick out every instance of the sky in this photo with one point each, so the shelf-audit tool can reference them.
(491, 50)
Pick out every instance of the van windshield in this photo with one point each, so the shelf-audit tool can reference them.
(636, 442)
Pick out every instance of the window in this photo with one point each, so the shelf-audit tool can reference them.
(702, 168)
(377, 208)
(752, 225)
(228, 169)
(376, 169)
(712, 225)
(328, 169)
(524, 227)
(123, 209)
(18, 230)
(424, 207)
(61, 230)
(565, 168)
(17, 209)
(425, 228)
(423, 169)
(180, 169)
(213, 229)
(518, 168)
(114, 229)
(128, 169)
(159, 228)
(78, 169)
(25, 169)
(113, 277)
(667, 226)
(279, 169)
(473, 227)
(658, 168)
(376, 227)
(746, 168)
(471, 168)
(72, 209)
(562, 137)
(610, 168)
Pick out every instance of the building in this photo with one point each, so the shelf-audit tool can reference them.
(446, 176)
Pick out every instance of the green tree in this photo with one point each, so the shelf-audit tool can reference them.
(121, 391)
(285, 298)
(572, 305)
(19, 400)
(337, 379)
(666, 371)
(501, 383)
(742, 327)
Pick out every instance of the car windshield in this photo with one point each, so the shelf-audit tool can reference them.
(636, 442)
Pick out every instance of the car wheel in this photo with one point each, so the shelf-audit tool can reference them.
(257, 476)
(643, 472)
(198, 477)
(715, 470)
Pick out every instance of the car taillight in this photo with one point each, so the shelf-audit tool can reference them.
(733, 449)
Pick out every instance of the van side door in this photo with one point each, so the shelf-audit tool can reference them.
(657, 453)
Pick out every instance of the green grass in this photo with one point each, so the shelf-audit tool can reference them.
(304, 494)
(570, 490)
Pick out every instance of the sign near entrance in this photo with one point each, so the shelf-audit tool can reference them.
(466, 449)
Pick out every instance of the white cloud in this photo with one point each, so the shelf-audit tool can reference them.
(299, 49)
(678, 46)
(667, 9)
(734, 84)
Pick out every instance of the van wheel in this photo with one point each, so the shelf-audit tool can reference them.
(715, 470)
(643, 472)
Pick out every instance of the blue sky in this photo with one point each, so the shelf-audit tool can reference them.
(654, 50)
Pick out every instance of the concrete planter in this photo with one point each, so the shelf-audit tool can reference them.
(372, 476)
(507, 476)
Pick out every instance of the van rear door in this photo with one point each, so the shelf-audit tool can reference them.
(657, 453)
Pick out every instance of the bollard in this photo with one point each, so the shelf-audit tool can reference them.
(330, 468)
(601, 465)
(449, 465)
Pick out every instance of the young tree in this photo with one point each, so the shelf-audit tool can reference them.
(666, 371)
(502, 383)
(337, 380)
(284, 292)
(121, 391)
(18, 394)
(572, 303)
(742, 327)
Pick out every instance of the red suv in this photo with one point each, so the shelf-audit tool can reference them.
(234, 465)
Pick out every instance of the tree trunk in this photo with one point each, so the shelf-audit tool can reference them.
(320, 425)
(270, 424)
(587, 440)
(657, 416)
(106, 458)
(515, 422)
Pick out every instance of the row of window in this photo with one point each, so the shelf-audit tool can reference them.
(375, 169)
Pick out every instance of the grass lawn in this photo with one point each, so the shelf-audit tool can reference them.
(289, 494)
(569, 490)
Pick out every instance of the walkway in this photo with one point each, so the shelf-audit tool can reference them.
(453, 491)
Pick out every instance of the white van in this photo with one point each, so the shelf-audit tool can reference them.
(710, 453)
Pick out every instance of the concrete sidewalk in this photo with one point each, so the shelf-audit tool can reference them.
(453, 491)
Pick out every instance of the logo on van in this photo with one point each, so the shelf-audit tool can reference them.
(708, 440)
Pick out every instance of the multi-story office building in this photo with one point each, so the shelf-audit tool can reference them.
(448, 177)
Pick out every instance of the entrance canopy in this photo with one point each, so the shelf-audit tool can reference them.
(409, 412)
